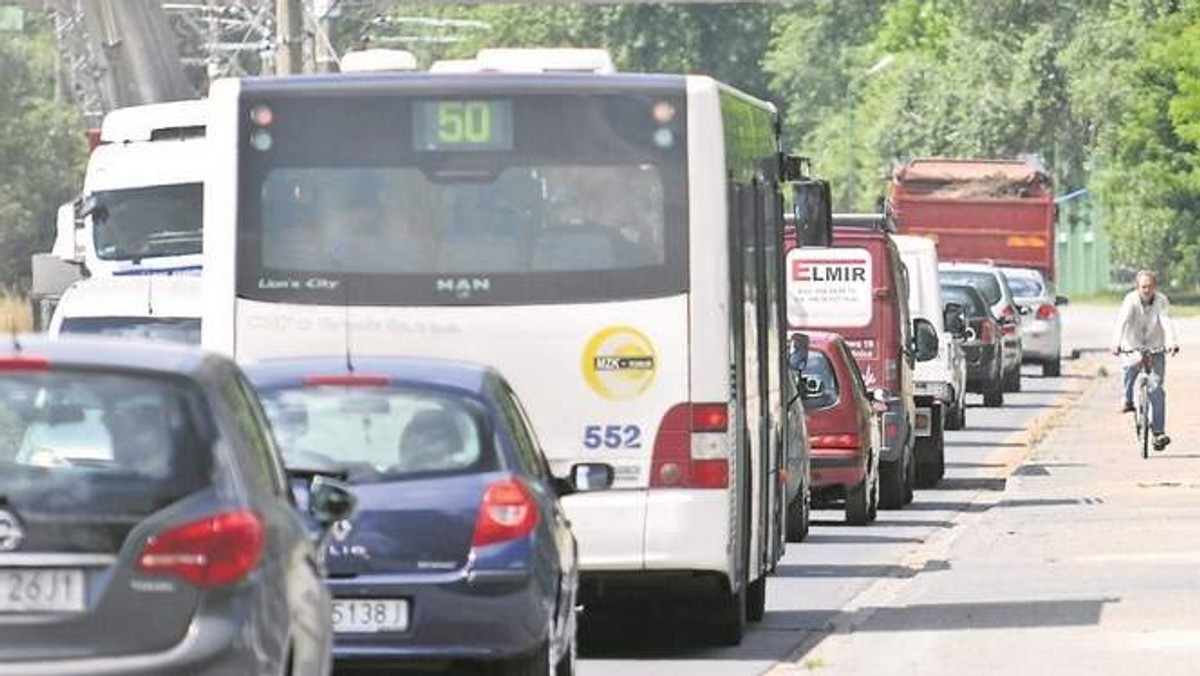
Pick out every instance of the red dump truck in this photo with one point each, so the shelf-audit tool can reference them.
(978, 210)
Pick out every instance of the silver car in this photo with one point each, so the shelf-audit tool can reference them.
(1041, 322)
(146, 525)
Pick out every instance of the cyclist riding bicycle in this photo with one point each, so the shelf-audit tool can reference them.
(1143, 323)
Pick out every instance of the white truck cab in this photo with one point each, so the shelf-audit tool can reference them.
(144, 307)
(141, 209)
(940, 383)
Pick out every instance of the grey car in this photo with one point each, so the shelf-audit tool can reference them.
(146, 524)
(1041, 322)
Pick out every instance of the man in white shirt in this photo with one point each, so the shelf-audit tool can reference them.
(1143, 323)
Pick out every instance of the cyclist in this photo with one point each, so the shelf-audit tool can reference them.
(1143, 322)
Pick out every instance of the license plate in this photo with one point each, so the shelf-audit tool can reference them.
(369, 616)
(41, 590)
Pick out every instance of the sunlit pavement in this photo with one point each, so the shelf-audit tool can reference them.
(1086, 560)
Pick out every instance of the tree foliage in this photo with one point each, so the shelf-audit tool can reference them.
(42, 146)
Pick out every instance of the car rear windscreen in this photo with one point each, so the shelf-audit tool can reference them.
(445, 199)
(966, 296)
(986, 282)
(1024, 287)
(85, 456)
(379, 433)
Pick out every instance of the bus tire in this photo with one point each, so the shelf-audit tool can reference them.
(728, 622)
(891, 484)
(756, 599)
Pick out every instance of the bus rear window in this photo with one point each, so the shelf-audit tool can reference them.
(532, 198)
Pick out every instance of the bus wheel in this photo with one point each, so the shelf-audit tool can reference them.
(799, 515)
(891, 484)
(756, 599)
(727, 624)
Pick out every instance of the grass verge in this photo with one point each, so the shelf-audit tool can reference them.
(14, 312)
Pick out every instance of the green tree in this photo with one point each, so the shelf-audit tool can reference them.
(42, 146)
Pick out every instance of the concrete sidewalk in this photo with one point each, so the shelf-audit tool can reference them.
(1088, 562)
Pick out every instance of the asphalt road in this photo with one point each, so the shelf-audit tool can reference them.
(841, 571)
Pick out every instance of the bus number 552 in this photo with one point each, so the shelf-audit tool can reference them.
(612, 436)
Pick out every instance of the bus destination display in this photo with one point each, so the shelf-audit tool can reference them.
(462, 125)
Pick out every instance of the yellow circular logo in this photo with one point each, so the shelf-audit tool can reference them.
(619, 363)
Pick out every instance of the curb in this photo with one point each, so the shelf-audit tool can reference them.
(859, 609)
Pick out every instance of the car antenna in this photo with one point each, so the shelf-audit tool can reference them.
(337, 264)
(16, 340)
(150, 295)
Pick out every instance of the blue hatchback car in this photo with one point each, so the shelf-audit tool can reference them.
(459, 551)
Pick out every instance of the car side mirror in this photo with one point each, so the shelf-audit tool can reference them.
(813, 387)
(798, 352)
(591, 476)
(955, 319)
(330, 501)
(925, 340)
(879, 395)
(1061, 300)
(1024, 309)
(89, 206)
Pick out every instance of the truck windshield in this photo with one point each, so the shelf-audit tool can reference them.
(137, 223)
(184, 330)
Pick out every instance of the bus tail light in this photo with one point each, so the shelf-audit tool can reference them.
(691, 449)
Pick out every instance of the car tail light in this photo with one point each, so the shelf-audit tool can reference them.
(1046, 312)
(213, 552)
(987, 332)
(834, 441)
(24, 364)
(691, 449)
(506, 513)
(348, 380)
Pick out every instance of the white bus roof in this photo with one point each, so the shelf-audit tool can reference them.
(378, 60)
(132, 296)
(146, 123)
(550, 60)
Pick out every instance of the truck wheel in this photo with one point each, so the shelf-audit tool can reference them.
(1011, 382)
(956, 416)
(1052, 368)
(931, 455)
(910, 475)
(891, 484)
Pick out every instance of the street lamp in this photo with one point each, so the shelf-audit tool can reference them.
(880, 66)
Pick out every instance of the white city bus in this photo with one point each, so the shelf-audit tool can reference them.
(611, 243)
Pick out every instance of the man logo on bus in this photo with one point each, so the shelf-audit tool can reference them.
(619, 363)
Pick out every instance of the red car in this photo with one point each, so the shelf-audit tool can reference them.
(843, 428)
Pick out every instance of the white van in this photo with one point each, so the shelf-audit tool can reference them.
(145, 307)
(141, 209)
(939, 384)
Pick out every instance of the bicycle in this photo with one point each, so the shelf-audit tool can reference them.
(1146, 380)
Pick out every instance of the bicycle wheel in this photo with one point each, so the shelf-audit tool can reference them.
(1144, 428)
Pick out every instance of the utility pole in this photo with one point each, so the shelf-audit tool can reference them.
(289, 37)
